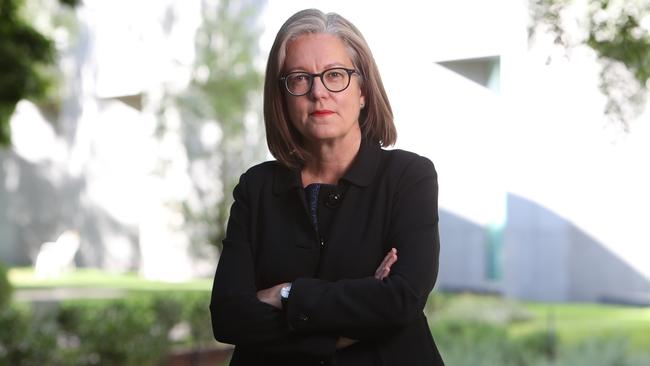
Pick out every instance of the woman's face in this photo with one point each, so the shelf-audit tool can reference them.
(322, 115)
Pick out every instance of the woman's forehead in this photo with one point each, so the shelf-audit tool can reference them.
(319, 50)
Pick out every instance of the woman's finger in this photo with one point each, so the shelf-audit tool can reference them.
(385, 260)
(384, 267)
(391, 260)
(379, 272)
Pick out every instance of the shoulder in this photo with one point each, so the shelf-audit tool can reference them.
(260, 174)
(261, 170)
(406, 164)
(268, 176)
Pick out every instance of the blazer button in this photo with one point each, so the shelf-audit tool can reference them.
(333, 200)
(322, 242)
(303, 317)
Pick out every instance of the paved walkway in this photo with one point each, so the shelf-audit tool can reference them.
(66, 293)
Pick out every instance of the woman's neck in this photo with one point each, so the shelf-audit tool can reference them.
(330, 160)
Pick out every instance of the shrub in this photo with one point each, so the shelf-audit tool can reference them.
(196, 313)
(5, 287)
(129, 331)
(134, 330)
(27, 338)
(600, 351)
(480, 308)
(475, 343)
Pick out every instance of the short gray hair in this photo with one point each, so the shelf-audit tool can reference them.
(375, 119)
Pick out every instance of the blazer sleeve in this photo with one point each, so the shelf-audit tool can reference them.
(238, 317)
(361, 308)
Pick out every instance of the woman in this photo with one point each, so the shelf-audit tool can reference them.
(309, 272)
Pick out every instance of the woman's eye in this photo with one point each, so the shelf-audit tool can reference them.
(301, 77)
(334, 75)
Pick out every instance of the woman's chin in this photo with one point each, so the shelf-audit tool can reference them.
(322, 134)
(330, 133)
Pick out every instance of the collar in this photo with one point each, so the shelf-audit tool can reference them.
(361, 172)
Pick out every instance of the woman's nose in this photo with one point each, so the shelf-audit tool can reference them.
(318, 89)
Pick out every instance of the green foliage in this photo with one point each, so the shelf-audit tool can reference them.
(134, 330)
(573, 323)
(616, 34)
(224, 92)
(25, 53)
(475, 330)
(70, 3)
(548, 13)
(130, 331)
(195, 312)
(489, 330)
(27, 338)
(614, 31)
(596, 352)
(540, 344)
(476, 343)
(27, 62)
(629, 43)
(485, 309)
(5, 286)
(473, 343)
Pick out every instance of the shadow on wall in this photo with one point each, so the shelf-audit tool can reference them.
(541, 256)
(550, 258)
(463, 256)
(34, 209)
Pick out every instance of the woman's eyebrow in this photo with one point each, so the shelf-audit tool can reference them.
(335, 64)
(326, 67)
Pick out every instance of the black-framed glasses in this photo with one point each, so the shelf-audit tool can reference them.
(335, 80)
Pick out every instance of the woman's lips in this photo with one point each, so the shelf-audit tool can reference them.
(321, 113)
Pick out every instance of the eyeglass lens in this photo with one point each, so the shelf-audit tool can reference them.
(335, 80)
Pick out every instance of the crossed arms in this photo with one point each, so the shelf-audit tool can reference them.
(320, 315)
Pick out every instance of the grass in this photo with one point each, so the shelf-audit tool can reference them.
(572, 323)
(24, 279)
(575, 322)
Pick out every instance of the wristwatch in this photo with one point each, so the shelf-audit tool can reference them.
(284, 294)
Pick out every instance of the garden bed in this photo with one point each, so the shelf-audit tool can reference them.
(121, 319)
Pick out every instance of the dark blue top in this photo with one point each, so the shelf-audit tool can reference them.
(312, 192)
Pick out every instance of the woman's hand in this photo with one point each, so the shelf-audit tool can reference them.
(384, 267)
(271, 295)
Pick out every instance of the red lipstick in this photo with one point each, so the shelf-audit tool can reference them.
(321, 112)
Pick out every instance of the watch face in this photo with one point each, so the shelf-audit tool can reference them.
(284, 292)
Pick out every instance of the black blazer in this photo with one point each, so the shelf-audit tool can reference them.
(386, 199)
